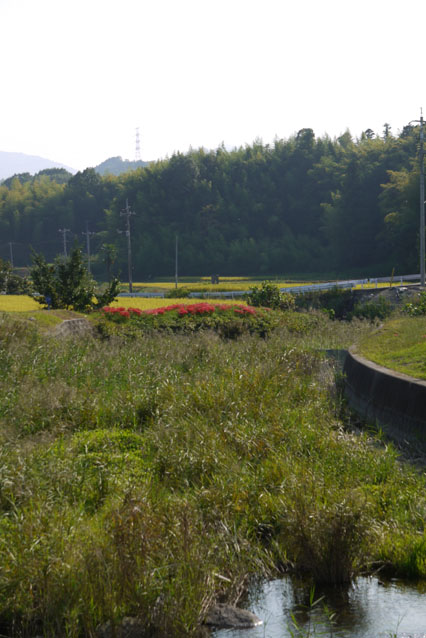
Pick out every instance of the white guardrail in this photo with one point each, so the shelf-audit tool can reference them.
(349, 283)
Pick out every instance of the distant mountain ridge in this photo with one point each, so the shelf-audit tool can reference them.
(15, 163)
(116, 166)
(12, 164)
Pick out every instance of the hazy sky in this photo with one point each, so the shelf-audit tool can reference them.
(78, 76)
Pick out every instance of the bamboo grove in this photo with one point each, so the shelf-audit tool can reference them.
(303, 205)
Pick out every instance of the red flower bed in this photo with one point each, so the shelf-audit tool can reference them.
(202, 308)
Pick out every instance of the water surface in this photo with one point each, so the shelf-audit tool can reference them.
(367, 609)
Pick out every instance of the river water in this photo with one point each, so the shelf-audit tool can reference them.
(367, 609)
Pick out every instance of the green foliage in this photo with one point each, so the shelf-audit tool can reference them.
(228, 321)
(337, 303)
(178, 293)
(109, 254)
(67, 284)
(343, 304)
(329, 537)
(378, 308)
(417, 308)
(306, 204)
(268, 295)
(10, 283)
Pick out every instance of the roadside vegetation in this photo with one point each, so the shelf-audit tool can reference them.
(149, 474)
(399, 344)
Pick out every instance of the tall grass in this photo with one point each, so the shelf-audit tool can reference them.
(150, 476)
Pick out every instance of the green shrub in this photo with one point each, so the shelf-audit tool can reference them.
(417, 308)
(178, 293)
(375, 309)
(268, 295)
(336, 303)
(10, 283)
(229, 321)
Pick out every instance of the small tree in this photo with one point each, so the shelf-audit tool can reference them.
(67, 284)
(9, 282)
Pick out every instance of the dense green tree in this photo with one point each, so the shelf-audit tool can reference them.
(67, 284)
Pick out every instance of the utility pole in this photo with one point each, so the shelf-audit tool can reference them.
(127, 214)
(422, 204)
(64, 232)
(11, 253)
(176, 262)
(422, 199)
(88, 234)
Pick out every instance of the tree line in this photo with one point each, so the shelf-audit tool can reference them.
(306, 204)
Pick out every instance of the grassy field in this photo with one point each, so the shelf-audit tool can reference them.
(152, 475)
(400, 344)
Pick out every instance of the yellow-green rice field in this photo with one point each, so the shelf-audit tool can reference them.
(17, 303)
(23, 303)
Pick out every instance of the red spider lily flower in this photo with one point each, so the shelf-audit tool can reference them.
(124, 313)
(182, 311)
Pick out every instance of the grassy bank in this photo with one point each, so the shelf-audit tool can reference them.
(400, 344)
(151, 475)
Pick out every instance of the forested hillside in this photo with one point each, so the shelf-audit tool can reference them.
(300, 205)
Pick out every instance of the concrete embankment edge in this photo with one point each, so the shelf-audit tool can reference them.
(393, 401)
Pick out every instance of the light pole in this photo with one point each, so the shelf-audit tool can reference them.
(422, 199)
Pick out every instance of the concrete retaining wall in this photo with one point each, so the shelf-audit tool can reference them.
(394, 401)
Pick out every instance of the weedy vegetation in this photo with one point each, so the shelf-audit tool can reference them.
(149, 473)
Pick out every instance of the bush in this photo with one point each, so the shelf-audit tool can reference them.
(336, 302)
(376, 309)
(229, 321)
(268, 295)
(416, 309)
(178, 293)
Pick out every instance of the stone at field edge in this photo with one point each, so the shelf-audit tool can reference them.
(223, 616)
